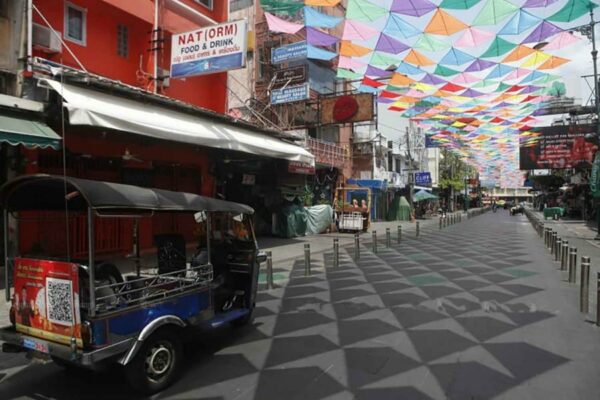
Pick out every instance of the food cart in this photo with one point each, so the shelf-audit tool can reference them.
(353, 208)
(87, 313)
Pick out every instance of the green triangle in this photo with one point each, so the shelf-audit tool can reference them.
(458, 4)
(546, 79)
(347, 74)
(444, 71)
(502, 87)
(382, 59)
(362, 10)
(484, 83)
(397, 89)
(430, 43)
(572, 10)
(498, 47)
(494, 12)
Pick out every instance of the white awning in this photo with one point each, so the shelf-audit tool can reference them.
(94, 108)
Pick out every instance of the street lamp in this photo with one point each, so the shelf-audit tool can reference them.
(589, 31)
(466, 205)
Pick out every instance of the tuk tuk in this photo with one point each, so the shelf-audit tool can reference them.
(87, 312)
(352, 208)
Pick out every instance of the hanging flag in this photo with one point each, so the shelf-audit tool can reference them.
(519, 23)
(429, 42)
(390, 45)
(416, 58)
(520, 52)
(572, 10)
(444, 71)
(354, 30)
(538, 3)
(456, 57)
(319, 54)
(397, 27)
(350, 49)
(279, 25)
(561, 40)
(544, 29)
(473, 37)
(363, 10)
(350, 63)
(458, 4)
(443, 23)
(494, 12)
(414, 8)
(319, 20)
(322, 3)
(553, 62)
(498, 47)
(319, 38)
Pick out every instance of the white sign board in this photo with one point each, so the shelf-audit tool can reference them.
(209, 50)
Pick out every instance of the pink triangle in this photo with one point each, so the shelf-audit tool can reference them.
(473, 37)
(517, 73)
(354, 30)
(279, 25)
(464, 78)
(350, 63)
(561, 40)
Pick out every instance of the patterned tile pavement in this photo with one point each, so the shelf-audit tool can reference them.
(476, 311)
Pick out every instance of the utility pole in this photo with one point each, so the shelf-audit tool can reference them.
(410, 171)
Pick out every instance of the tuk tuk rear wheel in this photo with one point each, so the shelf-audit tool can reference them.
(243, 321)
(157, 363)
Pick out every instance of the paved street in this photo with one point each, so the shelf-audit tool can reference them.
(476, 311)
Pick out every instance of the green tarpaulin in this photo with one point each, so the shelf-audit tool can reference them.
(286, 7)
(399, 209)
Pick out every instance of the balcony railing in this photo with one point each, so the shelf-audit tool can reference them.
(328, 153)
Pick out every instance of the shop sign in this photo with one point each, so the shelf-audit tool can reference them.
(290, 52)
(298, 167)
(46, 300)
(209, 50)
(289, 76)
(422, 178)
(248, 179)
(290, 94)
(347, 108)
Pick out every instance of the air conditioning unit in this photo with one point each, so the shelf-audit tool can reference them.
(44, 39)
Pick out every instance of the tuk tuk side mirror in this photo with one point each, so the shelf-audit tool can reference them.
(200, 216)
(261, 257)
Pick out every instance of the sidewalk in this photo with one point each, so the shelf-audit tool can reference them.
(580, 235)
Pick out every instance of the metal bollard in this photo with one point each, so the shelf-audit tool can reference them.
(444, 222)
(269, 270)
(375, 242)
(572, 264)
(399, 237)
(388, 238)
(598, 299)
(440, 223)
(418, 229)
(336, 252)
(557, 247)
(553, 241)
(564, 255)
(356, 247)
(546, 237)
(306, 259)
(584, 289)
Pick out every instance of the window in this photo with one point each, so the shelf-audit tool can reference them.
(75, 24)
(122, 41)
(236, 5)
(206, 3)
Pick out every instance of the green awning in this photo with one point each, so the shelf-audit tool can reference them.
(30, 134)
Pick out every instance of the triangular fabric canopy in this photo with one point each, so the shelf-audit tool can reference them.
(350, 49)
(414, 8)
(519, 23)
(390, 45)
(429, 42)
(397, 27)
(363, 10)
(494, 12)
(277, 24)
(443, 23)
(544, 29)
(319, 20)
(498, 47)
(473, 37)
(573, 10)
(354, 30)
(561, 40)
(416, 58)
(458, 4)
(456, 57)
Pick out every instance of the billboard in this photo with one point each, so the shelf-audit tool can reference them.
(46, 301)
(347, 108)
(290, 94)
(558, 147)
(289, 52)
(208, 50)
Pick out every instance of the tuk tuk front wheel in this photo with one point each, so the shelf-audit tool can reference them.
(157, 364)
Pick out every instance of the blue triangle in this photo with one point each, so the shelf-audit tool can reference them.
(456, 57)
(519, 23)
(499, 71)
(399, 28)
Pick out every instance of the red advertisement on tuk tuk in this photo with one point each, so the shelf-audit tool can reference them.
(46, 300)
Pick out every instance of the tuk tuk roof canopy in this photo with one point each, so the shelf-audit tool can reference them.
(47, 192)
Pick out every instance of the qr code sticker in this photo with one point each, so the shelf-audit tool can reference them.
(59, 300)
